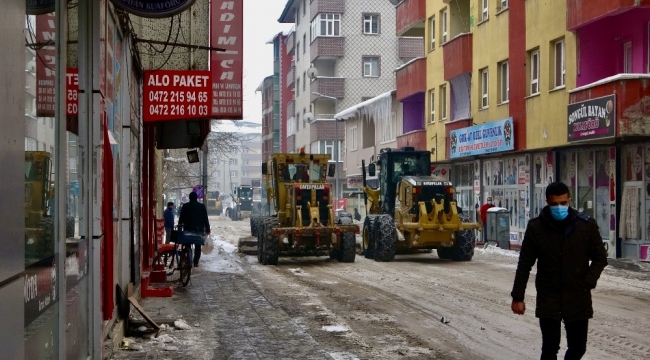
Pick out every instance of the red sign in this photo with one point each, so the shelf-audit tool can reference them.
(177, 95)
(45, 62)
(72, 92)
(227, 32)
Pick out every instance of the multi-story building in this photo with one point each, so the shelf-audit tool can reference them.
(270, 103)
(340, 59)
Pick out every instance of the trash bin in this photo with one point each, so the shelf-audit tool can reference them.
(498, 227)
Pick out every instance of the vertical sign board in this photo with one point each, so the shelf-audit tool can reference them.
(45, 62)
(227, 32)
(72, 92)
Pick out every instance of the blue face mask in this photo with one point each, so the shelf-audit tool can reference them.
(559, 212)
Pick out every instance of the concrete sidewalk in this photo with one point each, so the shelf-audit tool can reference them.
(229, 318)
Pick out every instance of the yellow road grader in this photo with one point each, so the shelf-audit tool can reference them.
(411, 210)
(304, 223)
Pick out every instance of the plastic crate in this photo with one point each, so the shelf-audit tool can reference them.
(186, 237)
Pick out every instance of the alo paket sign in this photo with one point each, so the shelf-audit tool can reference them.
(176, 95)
(153, 8)
(486, 138)
(592, 119)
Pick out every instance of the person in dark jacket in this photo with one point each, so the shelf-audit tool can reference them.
(194, 218)
(563, 242)
(168, 215)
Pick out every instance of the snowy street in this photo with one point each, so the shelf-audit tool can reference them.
(418, 306)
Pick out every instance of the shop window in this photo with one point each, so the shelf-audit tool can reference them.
(632, 159)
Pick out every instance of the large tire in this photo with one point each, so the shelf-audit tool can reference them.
(270, 244)
(445, 253)
(348, 249)
(386, 238)
(368, 242)
(464, 243)
(254, 220)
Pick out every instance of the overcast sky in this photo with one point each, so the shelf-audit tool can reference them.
(260, 25)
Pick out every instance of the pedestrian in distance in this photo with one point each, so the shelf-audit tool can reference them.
(357, 215)
(482, 216)
(168, 215)
(194, 218)
(563, 242)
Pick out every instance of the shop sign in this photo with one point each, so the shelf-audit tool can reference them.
(153, 8)
(39, 288)
(176, 94)
(355, 182)
(441, 171)
(45, 64)
(592, 119)
(227, 32)
(72, 92)
(486, 138)
(39, 7)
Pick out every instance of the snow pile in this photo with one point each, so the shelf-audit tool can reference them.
(335, 328)
(298, 272)
(493, 250)
(180, 324)
(343, 356)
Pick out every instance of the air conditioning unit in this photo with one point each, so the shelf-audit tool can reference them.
(644, 252)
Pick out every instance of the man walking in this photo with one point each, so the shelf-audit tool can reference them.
(563, 242)
(194, 218)
(482, 216)
(168, 215)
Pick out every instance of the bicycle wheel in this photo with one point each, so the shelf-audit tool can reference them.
(169, 261)
(185, 266)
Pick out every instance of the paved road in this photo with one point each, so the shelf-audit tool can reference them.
(318, 308)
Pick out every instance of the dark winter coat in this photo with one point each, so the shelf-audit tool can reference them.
(194, 217)
(168, 215)
(564, 276)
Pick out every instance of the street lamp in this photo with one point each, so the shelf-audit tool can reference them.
(337, 148)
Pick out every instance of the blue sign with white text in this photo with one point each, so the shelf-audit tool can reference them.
(481, 139)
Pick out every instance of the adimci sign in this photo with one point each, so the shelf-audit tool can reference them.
(153, 8)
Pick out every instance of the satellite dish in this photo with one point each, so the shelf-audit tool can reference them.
(312, 73)
(395, 2)
(309, 117)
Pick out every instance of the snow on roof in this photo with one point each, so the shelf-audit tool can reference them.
(613, 78)
(236, 126)
(354, 110)
(407, 63)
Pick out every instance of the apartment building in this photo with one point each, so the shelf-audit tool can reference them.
(344, 53)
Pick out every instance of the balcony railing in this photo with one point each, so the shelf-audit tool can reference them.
(416, 139)
(410, 47)
(330, 86)
(290, 43)
(411, 15)
(326, 6)
(291, 108)
(581, 12)
(411, 78)
(457, 54)
(291, 75)
(327, 47)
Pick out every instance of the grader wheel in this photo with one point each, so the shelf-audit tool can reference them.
(386, 235)
(368, 243)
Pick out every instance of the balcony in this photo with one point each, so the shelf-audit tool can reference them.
(632, 108)
(291, 143)
(457, 54)
(291, 75)
(290, 43)
(410, 47)
(411, 16)
(291, 108)
(330, 86)
(411, 78)
(416, 139)
(582, 12)
(327, 47)
(326, 6)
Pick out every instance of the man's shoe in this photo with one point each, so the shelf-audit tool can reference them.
(196, 264)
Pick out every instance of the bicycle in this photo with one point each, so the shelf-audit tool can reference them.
(175, 261)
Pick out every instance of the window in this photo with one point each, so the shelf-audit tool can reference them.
(298, 86)
(443, 102)
(559, 64)
(484, 7)
(504, 82)
(244, 174)
(534, 72)
(329, 148)
(627, 57)
(484, 88)
(326, 25)
(298, 51)
(352, 140)
(388, 132)
(432, 32)
(432, 106)
(304, 7)
(304, 120)
(371, 24)
(233, 173)
(443, 26)
(504, 4)
(233, 161)
(304, 41)
(304, 77)
(370, 66)
(298, 15)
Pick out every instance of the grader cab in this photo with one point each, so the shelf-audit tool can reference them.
(411, 210)
(304, 222)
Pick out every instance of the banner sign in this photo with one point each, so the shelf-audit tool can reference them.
(45, 63)
(72, 92)
(592, 119)
(227, 32)
(153, 8)
(40, 288)
(176, 95)
(38, 7)
(486, 138)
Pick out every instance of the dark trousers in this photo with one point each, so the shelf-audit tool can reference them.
(197, 253)
(576, 337)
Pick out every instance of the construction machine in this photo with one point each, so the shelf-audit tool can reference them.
(242, 203)
(412, 210)
(214, 205)
(304, 222)
(39, 225)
